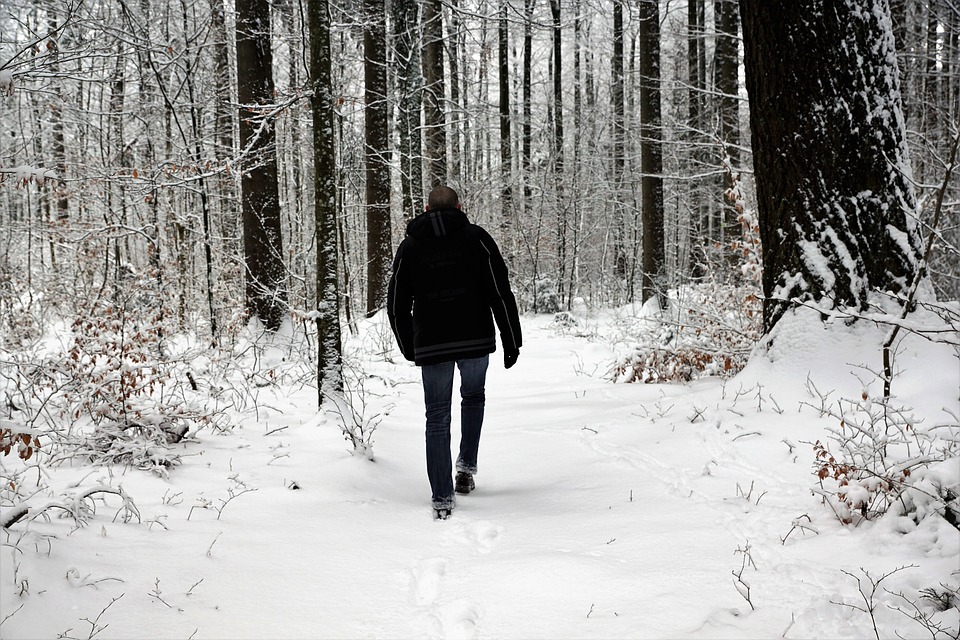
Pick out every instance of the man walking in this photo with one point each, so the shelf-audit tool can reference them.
(449, 283)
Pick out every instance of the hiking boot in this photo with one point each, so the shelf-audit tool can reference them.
(465, 482)
(442, 513)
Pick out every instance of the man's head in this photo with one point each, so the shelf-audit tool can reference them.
(443, 197)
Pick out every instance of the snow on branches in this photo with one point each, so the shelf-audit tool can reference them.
(24, 175)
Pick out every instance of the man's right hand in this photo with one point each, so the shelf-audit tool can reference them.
(510, 358)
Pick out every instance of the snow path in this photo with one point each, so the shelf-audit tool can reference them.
(600, 511)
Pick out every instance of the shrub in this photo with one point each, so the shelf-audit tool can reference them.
(879, 456)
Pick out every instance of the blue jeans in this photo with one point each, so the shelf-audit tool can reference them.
(437, 392)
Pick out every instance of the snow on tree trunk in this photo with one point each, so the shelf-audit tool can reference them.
(833, 180)
(329, 356)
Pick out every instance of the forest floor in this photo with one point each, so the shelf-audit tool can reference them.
(602, 510)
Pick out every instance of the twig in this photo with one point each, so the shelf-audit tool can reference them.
(156, 593)
(210, 548)
(12, 613)
(870, 605)
(921, 271)
(796, 524)
(793, 619)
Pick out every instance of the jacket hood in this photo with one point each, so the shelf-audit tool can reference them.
(437, 223)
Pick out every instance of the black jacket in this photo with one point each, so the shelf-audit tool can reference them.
(448, 277)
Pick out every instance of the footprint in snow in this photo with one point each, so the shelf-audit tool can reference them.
(482, 535)
(485, 535)
(426, 580)
(459, 620)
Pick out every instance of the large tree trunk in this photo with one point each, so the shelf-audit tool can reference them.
(651, 154)
(833, 180)
(377, 154)
(266, 295)
(329, 344)
(434, 93)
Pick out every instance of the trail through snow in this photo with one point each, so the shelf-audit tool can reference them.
(600, 511)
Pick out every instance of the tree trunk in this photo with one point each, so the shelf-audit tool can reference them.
(266, 295)
(377, 154)
(329, 344)
(617, 161)
(726, 66)
(434, 93)
(833, 181)
(527, 134)
(225, 187)
(406, 45)
(696, 92)
(202, 188)
(651, 154)
(506, 161)
(454, 38)
(558, 151)
(59, 148)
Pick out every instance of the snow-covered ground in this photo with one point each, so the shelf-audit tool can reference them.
(602, 510)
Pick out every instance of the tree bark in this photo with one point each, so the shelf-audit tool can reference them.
(617, 159)
(408, 86)
(696, 103)
(726, 66)
(329, 343)
(651, 154)
(834, 197)
(558, 149)
(526, 138)
(266, 295)
(434, 93)
(506, 162)
(377, 155)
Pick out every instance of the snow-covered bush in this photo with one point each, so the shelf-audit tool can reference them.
(119, 384)
(539, 295)
(879, 458)
(105, 390)
(709, 327)
(19, 325)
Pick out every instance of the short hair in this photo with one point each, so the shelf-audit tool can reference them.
(443, 197)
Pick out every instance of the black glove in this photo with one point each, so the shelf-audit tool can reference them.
(510, 358)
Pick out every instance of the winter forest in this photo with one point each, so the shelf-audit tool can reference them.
(748, 209)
